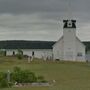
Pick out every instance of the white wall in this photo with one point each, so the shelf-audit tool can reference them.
(69, 36)
(80, 48)
(10, 51)
(58, 49)
(38, 53)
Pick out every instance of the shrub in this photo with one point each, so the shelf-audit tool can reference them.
(2, 75)
(20, 54)
(23, 76)
(4, 83)
(19, 76)
(30, 76)
(3, 80)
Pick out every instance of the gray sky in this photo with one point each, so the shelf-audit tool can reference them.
(42, 19)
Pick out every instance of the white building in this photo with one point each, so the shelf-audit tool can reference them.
(69, 47)
(38, 53)
(38, 49)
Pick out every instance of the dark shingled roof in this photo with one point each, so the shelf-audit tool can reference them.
(21, 44)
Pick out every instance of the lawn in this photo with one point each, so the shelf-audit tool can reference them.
(68, 75)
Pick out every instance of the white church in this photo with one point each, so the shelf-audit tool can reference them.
(69, 47)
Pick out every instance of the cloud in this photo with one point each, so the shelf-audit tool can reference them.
(33, 6)
(27, 26)
(42, 19)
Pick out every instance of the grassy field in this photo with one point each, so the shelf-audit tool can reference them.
(68, 75)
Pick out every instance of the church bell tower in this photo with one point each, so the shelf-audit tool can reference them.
(69, 39)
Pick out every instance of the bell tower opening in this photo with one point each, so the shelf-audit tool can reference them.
(69, 23)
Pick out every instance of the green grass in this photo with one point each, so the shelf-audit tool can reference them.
(68, 75)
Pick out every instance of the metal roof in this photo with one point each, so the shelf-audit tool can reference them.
(21, 44)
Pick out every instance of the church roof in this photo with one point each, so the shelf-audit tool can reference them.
(85, 43)
(21, 44)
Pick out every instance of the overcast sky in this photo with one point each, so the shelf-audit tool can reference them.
(42, 19)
